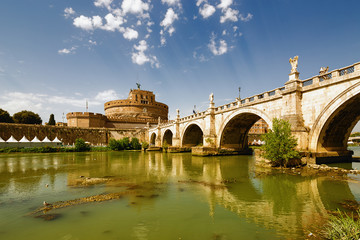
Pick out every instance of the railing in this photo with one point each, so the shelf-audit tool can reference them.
(325, 77)
(347, 71)
(307, 83)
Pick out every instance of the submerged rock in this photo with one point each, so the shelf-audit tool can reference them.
(49, 217)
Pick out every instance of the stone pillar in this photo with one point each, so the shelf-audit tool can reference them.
(292, 111)
(176, 142)
(357, 67)
(158, 135)
(209, 131)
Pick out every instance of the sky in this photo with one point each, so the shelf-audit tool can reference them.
(55, 55)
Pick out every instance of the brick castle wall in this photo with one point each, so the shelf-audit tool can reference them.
(68, 135)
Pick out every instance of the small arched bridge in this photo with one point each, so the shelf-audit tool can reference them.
(322, 112)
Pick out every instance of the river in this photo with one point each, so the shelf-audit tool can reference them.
(164, 196)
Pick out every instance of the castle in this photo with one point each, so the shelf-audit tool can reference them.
(138, 110)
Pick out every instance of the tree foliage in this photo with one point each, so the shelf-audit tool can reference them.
(145, 145)
(52, 120)
(5, 117)
(81, 145)
(124, 144)
(115, 145)
(280, 145)
(27, 117)
(135, 144)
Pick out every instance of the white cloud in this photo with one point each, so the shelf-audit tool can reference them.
(83, 22)
(88, 23)
(229, 15)
(169, 18)
(207, 10)
(103, 3)
(139, 57)
(134, 6)
(97, 21)
(217, 50)
(247, 18)
(66, 51)
(225, 4)
(68, 12)
(172, 2)
(113, 23)
(199, 2)
(224, 33)
(106, 95)
(92, 42)
(130, 34)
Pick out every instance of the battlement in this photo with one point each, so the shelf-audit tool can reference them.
(129, 102)
(84, 114)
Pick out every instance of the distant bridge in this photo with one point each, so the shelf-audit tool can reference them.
(322, 111)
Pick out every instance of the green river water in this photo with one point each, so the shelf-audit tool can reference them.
(165, 196)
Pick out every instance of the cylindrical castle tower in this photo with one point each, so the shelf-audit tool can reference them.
(140, 104)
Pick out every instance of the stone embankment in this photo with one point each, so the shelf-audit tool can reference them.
(326, 168)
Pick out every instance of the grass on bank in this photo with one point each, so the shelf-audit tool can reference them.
(343, 226)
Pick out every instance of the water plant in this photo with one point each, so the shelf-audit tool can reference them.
(343, 226)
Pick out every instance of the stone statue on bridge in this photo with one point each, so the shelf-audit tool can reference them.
(324, 70)
(211, 98)
(294, 64)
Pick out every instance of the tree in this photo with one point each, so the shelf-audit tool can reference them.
(27, 117)
(280, 145)
(81, 145)
(52, 120)
(5, 117)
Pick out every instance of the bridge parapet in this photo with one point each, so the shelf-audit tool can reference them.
(332, 77)
(193, 116)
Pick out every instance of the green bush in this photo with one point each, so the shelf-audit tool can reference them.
(116, 145)
(81, 145)
(280, 145)
(135, 144)
(145, 145)
(126, 143)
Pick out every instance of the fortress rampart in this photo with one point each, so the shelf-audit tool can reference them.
(68, 135)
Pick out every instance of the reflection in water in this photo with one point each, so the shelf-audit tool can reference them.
(166, 189)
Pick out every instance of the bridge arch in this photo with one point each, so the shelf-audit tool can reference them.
(192, 135)
(333, 126)
(153, 139)
(168, 136)
(234, 129)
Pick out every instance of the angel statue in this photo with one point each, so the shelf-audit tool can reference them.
(294, 64)
(211, 97)
(138, 85)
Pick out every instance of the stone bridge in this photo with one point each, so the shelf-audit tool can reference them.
(322, 111)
